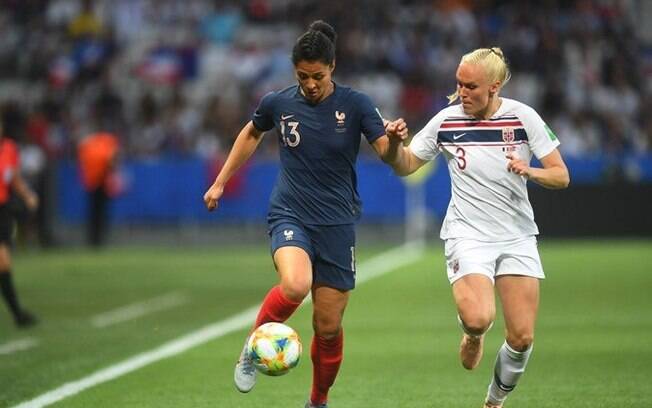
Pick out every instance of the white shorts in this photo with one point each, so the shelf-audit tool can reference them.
(465, 256)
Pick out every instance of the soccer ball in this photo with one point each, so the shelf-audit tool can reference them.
(274, 348)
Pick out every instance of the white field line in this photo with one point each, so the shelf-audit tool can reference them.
(18, 345)
(374, 267)
(139, 309)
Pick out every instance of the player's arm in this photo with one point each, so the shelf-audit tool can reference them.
(21, 188)
(245, 145)
(391, 150)
(553, 175)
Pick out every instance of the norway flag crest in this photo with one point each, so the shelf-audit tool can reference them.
(508, 134)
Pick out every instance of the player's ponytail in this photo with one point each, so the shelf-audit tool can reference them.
(494, 63)
(316, 44)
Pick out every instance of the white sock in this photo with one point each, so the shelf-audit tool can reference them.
(510, 365)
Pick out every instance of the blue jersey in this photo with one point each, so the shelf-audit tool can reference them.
(319, 144)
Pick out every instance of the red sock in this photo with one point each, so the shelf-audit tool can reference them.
(276, 307)
(326, 357)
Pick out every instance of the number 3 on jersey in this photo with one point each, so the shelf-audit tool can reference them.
(294, 137)
(460, 158)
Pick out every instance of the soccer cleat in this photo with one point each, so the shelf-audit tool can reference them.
(487, 404)
(244, 374)
(471, 351)
(311, 405)
(25, 319)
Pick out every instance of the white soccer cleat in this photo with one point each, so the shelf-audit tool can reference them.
(244, 374)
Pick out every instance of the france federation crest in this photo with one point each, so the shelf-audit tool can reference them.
(340, 117)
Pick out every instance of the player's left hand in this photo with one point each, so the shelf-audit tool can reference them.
(31, 202)
(517, 166)
(396, 130)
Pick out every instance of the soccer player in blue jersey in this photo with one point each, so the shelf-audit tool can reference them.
(489, 229)
(315, 202)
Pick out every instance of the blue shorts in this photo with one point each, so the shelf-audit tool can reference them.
(331, 249)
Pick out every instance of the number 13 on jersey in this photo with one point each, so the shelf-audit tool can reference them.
(294, 137)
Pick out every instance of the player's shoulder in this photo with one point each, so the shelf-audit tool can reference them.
(346, 93)
(279, 95)
(450, 113)
(288, 92)
(517, 108)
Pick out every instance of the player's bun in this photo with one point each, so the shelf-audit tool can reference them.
(324, 28)
(498, 51)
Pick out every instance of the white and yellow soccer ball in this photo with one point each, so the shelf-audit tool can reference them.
(275, 348)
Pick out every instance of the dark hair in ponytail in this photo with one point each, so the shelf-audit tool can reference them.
(316, 44)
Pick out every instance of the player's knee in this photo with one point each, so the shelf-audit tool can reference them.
(327, 330)
(477, 324)
(326, 326)
(295, 293)
(520, 341)
(296, 289)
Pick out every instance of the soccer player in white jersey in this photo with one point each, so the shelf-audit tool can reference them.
(489, 229)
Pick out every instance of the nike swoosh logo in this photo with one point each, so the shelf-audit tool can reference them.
(283, 117)
(455, 137)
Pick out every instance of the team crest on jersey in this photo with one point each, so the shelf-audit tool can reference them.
(289, 235)
(340, 117)
(455, 265)
(508, 134)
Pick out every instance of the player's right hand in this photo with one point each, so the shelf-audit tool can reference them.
(31, 201)
(396, 130)
(212, 196)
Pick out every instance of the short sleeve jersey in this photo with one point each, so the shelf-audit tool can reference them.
(9, 162)
(488, 203)
(319, 145)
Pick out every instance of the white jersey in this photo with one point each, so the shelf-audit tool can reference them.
(488, 203)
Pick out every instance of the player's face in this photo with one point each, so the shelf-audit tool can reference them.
(314, 79)
(474, 88)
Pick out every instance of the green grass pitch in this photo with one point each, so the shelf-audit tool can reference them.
(593, 345)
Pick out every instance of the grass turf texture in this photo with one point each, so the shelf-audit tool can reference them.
(401, 337)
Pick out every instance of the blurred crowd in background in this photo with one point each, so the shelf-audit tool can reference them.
(179, 78)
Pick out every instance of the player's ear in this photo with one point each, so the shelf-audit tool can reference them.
(494, 88)
(332, 66)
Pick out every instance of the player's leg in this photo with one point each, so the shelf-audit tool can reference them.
(519, 294)
(328, 340)
(295, 273)
(290, 247)
(21, 317)
(333, 279)
(470, 268)
(474, 298)
(520, 299)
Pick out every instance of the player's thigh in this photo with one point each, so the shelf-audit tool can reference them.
(475, 301)
(470, 267)
(328, 309)
(334, 260)
(292, 253)
(519, 296)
